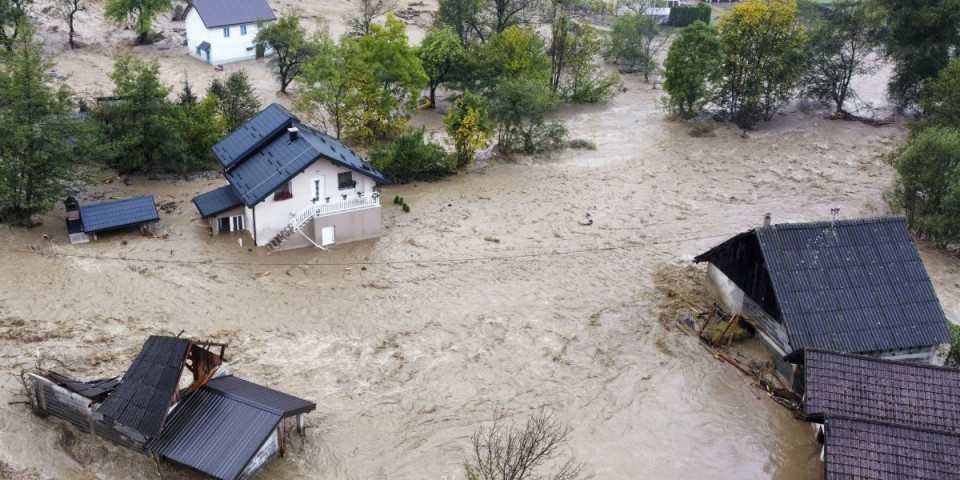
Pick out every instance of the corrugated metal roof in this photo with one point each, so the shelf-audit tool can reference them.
(259, 130)
(118, 214)
(217, 201)
(266, 398)
(222, 13)
(148, 387)
(856, 449)
(259, 157)
(214, 433)
(851, 286)
(868, 388)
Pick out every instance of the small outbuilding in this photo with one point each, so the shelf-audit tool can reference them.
(882, 419)
(223, 31)
(856, 286)
(178, 402)
(86, 221)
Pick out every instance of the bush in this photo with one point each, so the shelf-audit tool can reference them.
(411, 158)
(953, 359)
(581, 144)
(683, 15)
(406, 208)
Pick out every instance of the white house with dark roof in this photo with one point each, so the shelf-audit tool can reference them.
(223, 31)
(292, 186)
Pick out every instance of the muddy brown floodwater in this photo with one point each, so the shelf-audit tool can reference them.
(488, 294)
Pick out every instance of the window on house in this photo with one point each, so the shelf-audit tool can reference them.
(345, 181)
(283, 192)
(226, 32)
(243, 30)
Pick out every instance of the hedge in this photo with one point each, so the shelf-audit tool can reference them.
(683, 15)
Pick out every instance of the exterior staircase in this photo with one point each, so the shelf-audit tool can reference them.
(319, 210)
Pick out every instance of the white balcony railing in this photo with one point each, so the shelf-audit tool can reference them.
(321, 209)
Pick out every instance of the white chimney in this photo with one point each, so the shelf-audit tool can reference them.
(293, 131)
(766, 220)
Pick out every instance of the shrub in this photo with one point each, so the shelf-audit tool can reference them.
(411, 158)
(581, 144)
(406, 208)
(953, 359)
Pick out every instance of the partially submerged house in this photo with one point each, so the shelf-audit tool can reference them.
(291, 185)
(178, 402)
(854, 286)
(86, 221)
(882, 419)
(223, 31)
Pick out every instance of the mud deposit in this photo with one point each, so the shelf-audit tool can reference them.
(489, 293)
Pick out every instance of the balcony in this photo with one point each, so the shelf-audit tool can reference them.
(321, 209)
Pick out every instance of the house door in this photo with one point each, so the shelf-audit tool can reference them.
(230, 224)
(319, 191)
(208, 55)
(326, 236)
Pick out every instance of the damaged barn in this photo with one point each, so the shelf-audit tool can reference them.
(177, 402)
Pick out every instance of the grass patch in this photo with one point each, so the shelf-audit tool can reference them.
(714, 330)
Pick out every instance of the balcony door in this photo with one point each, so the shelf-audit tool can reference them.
(319, 189)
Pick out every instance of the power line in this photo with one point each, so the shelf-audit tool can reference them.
(519, 256)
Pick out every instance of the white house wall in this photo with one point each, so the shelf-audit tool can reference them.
(234, 48)
(273, 215)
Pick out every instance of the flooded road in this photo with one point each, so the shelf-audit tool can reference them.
(488, 294)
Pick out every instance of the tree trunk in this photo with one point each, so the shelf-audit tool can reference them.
(433, 96)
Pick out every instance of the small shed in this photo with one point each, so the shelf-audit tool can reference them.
(882, 419)
(86, 221)
(209, 420)
(854, 286)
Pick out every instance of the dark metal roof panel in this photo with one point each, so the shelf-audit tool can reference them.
(868, 388)
(266, 398)
(118, 214)
(257, 131)
(878, 451)
(339, 154)
(827, 276)
(222, 13)
(214, 433)
(149, 385)
(217, 201)
(273, 165)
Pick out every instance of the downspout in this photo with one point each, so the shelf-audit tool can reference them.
(255, 226)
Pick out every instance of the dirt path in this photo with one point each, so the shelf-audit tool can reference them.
(489, 293)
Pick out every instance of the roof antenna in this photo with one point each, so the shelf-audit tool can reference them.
(833, 218)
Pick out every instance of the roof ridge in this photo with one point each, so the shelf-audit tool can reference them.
(890, 424)
(841, 222)
(879, 360)
(238, 398)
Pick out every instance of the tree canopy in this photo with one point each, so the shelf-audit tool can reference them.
(140, 12)
(692, 70)
(291, 47)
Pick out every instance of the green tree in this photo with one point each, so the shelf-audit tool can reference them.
(692, 70)
(515, 53)
(635, 42)
(331, 86)
(396, 79)
(13, 16)
(438, 52)
(477, 21)
(291, 47)
(69, 9)
(366, 12)
(410, 158)
(765, 58)
(469, 125)
(202, 126)
(140, 12)
(519, 106)
(463, 18)
(582, 78)
(236, 102)
(140, 129)
(921, 37)
(940, 104)
(41, 144)
(928, 183)
(953, 358)
(840, 43)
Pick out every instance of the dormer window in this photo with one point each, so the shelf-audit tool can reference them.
(345, 181)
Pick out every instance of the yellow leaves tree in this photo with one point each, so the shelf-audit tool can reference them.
(469, 126)
(764, 46)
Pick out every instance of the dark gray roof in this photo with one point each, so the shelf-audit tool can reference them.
(222, 13)
(868, 388)
(204, 46)
(856, 449)
(858, 286)
(93, 389)
(118, 214)
(266, 398)
(217, 201)
(214, 433)
(149, 385)
(259, 157)
(259, 130)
